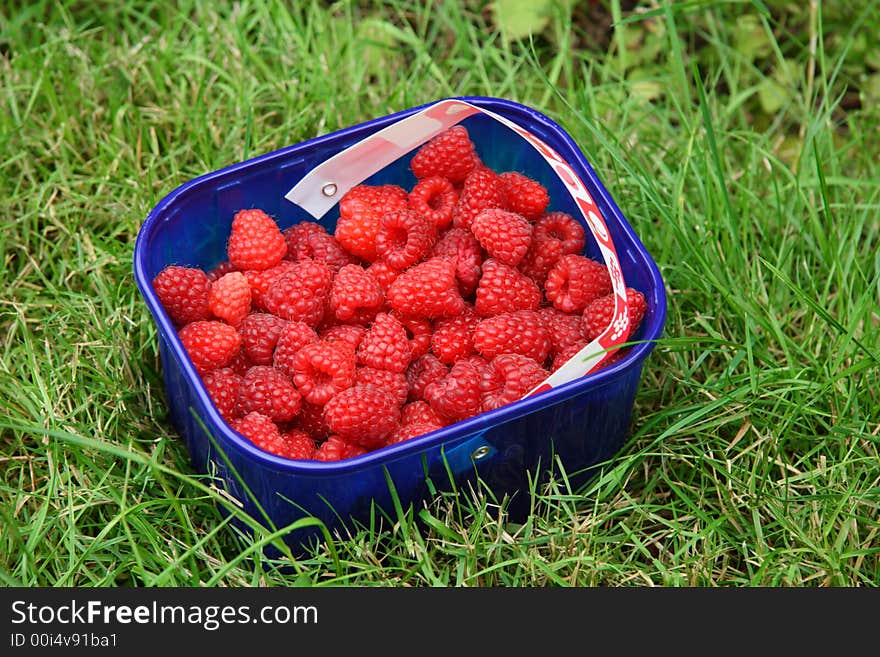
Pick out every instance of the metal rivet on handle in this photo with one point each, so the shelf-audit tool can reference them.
(481, 452)
(329, 189)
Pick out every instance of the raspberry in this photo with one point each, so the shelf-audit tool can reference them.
(183, 293)
(419, 412)
(564, 328)
(337, 449)
(223, 385)
(301, 294)
(518, 332)
(418, 333)
(322, 369)
(427, 290)
(411, 430)
(259, 281)
(404, 238)
(383, 273)
(211, 344)
(511, 377)
(453, 337)
(482, 190)
(539, 259)
(311, 421)
(422, 372)
(575, 281)
(450, 154)
(457, 395)
(483, 367)
(355, 296)
(504, 289)
(385, 345)
(309, 240)
(434, 198)
(260, 333)
(360, 212)
(293, 337)
(230, 298)
(351, 334)
(268, 391)
(465, 250)
(394, 383)
(567, 353)
(524, 196)
(562, 228)
(363, 414)
(262, 432)
(219, 270)
(506, 236)
(255, 241)
(599, 313)
(300, 445)
(240, 362)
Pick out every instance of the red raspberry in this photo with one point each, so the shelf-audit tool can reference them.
(302, 293)
(483, 367)
(222, 268)
(351, 334)
(260, 333)
(420, 412)
(567, 353)
(539, 259)
(230, 298)
(360, 212)
(482, 191)
(268, 391)
(561, 228)
(506, 236)
(511, 377)
(427, 290)
(524, 195)
(385, 345)
(434, 198)
(383, 273)
(259, 281)
(457, 395)
(255, 241)
(411, 430)
(453, 337)
(309, 240)
(404, 238)
(422, 372)
(293, 337)
(418, 332)
(240, 362)
(323, 369)
(450, 154)
(564, 328)
(394, 383)
(465, 250)
(363, 414)
(262, 432)
(210, 344)
(183, 293)
(599, 313)
(518, 332)
(575, 281)
(311, 421)
(504, 289)
(300, 445)
(223, 385)
(355, 295)
(337, 449)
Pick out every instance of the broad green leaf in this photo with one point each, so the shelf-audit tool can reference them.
(750, 39)
(517, 19)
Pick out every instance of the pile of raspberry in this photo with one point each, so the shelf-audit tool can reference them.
(424, 307)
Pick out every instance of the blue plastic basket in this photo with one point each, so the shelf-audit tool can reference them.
(582, 423)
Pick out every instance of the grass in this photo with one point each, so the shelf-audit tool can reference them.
(753, 453)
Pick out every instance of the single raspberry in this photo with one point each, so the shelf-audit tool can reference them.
(355, 295)
(467, 254)
(300, 445)
(360, 212)
(422, 372)
(311, 421)
(363, 414)
(211, 344)
(385, 345)
(351, 334)
(309, 240)
(394, 383)
(418, 333)
(524, 195)
(457, 395)
(240, 363)
(599, 313)
(506, 236)
(230, 298)
(564, 328)
(262, 432)
(268, 391)
(222, 385)
(539, 259)
(434, 198)
(383, 273)
(255, 241)
(337, 449)
(561, 228)
(575, 281)
(427, 290)
(260, 333)
(504, 289)
(483, 366)
(293, 337)
(517, 332)
(451, 154)
(302, 293)
(183, 293)
(512, 377)
(322, 369)
(420, 412)
(565, 354)
(259, 281)
(220, 269)
(453, 337)
(409, 431)
(404, 238)
(482, 190)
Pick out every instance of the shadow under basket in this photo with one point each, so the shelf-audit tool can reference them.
(582, 423)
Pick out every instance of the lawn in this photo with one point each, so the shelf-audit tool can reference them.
(740, 139)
